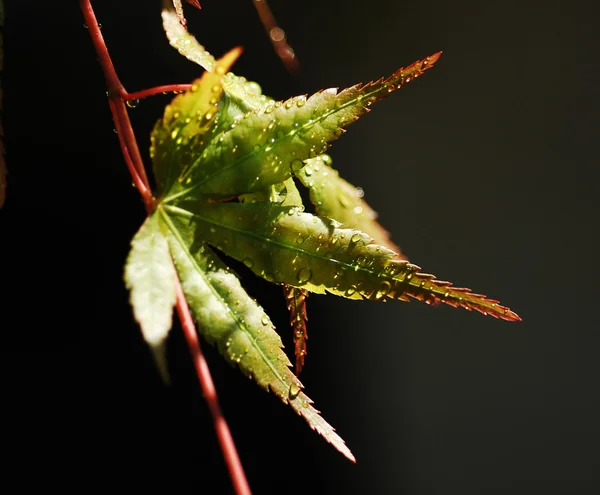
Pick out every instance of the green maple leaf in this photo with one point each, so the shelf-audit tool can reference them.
(226, 160)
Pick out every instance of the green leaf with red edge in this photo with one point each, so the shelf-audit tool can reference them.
(237, 325)
(266, 145)
(284, 245)
(249, 151)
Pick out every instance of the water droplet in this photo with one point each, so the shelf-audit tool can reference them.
(291, 211)
(359, 192)
(289, 104)
(264, 320)
(355, 238)
(248, 262)
(253, 88)
(308, 170)
(299, 239)
(208, 116)
(132, 103)
(300, 101)
(304, 275)
(351, 290)
(357, 210)
(296, 165)
(383, 290)
(294, 390)
(277, 34)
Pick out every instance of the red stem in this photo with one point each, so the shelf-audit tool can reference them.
(137, 180)
(210, 394)
(168, 88)
(117, 97)
(277, 36)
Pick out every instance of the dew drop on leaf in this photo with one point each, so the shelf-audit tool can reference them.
(383, 290)
(264, 320)
(253, 88)
(248, 262)
(355, 238)
(296, 165)
(304, 275)
(294, 390)
(351, 290)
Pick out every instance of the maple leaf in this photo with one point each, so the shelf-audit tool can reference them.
(227, 160)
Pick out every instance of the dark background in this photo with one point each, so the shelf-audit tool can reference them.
(484, 170)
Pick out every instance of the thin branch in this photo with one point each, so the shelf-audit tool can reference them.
(232, 459)
(137, 180)
(132, 145)
(117, 97)
(277, 36)
(168, 88)
(118, 109)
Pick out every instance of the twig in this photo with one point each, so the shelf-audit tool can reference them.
(277, 36)
(169, 88)
(117, 98)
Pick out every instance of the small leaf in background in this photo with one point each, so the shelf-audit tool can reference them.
(284, 245)
(239, 327)
(186, 44)
(296, 305)
(150, 277)
(336, 198)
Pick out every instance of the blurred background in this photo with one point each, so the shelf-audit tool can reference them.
(484, 171)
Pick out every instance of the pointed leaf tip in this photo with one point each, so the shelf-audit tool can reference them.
(239, 327)
(186, 44)
(315, 254)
